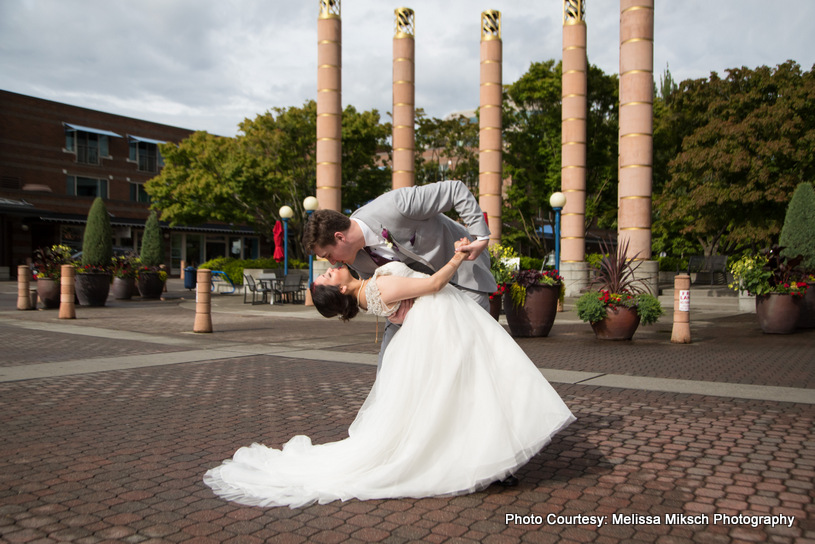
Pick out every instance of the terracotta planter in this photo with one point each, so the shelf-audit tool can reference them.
(495, 306)
(123, 288)
(807, 318)
(150, 285)
(620, 324)
(777, 313)
(48, 291)
(537, 315)
(92, 289)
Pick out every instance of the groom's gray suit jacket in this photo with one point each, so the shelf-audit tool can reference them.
(414, 220)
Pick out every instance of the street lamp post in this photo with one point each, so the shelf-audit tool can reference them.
(557, 201)
(310, 203)
(285, 214)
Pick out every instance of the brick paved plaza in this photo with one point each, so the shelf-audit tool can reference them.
(109, 422)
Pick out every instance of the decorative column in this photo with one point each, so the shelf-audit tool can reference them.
(490, 139)
(404, 83)
(574, 115)
(329, 106)
(636, 134)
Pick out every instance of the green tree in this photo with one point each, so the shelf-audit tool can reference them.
(245, 180)
(151, 253)
(365, 175)
(671, 126)
(749, 144)
(97, 243)
(446, 149)
(798, 233)
(532, 135)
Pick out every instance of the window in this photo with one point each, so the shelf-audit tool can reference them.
(138, 194)
(81, 186)
(89, 145)
(145, 153)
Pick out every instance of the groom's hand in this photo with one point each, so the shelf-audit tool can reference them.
(399, 316)
(474, 249)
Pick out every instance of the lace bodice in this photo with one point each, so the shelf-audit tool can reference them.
(374, 297)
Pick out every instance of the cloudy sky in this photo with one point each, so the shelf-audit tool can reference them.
(207, 65)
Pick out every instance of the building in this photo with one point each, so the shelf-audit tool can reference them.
(56, 158)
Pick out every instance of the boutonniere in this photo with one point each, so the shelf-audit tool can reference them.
(388, 239)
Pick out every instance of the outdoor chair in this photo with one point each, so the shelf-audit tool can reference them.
(257, 289)
(293, 288)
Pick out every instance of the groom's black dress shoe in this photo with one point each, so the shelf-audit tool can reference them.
(509, 481)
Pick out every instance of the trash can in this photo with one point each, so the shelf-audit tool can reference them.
(190, 277)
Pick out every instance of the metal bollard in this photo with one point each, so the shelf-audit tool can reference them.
(67, 289)
(203, 301)
(23, 286)
(681, 328)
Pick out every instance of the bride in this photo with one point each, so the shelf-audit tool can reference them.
(456, 406)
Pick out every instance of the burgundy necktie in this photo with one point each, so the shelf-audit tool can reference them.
(379, 260)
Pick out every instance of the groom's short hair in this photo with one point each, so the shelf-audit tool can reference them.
(321, 227)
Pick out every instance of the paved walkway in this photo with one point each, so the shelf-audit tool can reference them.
(109, 421)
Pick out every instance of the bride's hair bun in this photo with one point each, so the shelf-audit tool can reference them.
(330, 302)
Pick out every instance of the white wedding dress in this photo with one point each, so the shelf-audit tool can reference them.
(456, 406)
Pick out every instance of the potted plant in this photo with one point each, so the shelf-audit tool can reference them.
(503, 260)
(777, 284)
(531, 306)
(93, 273)
(619, 305)
(151, 277)
(48, 263)
(125, 270)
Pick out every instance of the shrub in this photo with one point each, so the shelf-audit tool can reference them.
(97, 243)
(672, 264)
(798, 233)
(530, 263)
(151, 251)
(234, 267)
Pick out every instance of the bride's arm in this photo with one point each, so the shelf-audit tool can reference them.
(395, 288)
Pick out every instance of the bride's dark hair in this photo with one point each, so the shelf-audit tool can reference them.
(330, 302)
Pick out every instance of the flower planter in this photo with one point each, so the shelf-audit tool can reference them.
(495, 305)
(620, 324)
(150, 285)
(48, 291)
(807, 317)
(778, 313)
(92, 289)
(537, 315)
(123, 288)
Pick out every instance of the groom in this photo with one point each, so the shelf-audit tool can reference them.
(408, 225)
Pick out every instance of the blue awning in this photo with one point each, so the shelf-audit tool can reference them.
(71, 126)
(146, 140)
